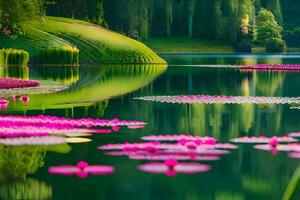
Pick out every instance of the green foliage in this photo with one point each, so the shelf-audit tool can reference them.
(14, 13)
(88, 10)
(16, 163)
(26, 189)
(292, 37)
(267, 27)
(59, 56)
(275, 45)
(97, 44)
(13, 57)
(188, 45)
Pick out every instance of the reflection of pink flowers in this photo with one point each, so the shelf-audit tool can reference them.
(172, 167)
(82, 170)
(294, 155)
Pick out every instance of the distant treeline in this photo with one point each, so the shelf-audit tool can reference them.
(213, 19)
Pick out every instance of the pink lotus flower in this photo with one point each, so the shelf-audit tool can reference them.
(82, 170)
(24, 99)
(172, 167)
(294, 155)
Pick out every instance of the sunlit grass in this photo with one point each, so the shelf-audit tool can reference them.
(55, 35)
(188, 45)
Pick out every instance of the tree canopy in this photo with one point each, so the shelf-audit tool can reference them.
(13, 14)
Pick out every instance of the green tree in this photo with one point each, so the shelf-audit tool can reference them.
(14, 13)
(267, 27)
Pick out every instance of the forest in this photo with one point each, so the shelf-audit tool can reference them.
(232, 21)
(239, 23)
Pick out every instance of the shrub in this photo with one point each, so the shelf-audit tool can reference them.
(275, 45)
(63, 56)
(244, 46)
(267, 26)
(13, 57)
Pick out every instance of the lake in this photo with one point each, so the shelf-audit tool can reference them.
(109, 91)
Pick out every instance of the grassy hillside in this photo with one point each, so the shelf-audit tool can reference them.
(188, 45)
(96, 44)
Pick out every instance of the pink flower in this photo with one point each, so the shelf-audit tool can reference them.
(25, 99)
(4, 104)
(82, 170)
(8, 83)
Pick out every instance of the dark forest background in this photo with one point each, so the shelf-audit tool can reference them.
(211, 19)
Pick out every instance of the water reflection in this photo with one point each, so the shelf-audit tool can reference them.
(229, 59)
(90, 87)
(108, 92)
(26, 189)
(14, 72)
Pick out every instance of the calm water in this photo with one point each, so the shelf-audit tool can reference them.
(108, 92)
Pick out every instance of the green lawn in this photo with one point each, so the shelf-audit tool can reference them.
(96, 44)
(188, 45)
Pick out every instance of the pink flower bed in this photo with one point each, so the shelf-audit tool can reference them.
(8, 83)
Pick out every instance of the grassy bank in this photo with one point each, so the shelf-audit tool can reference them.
(188, 45)
(13, 57)
(96, 44)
